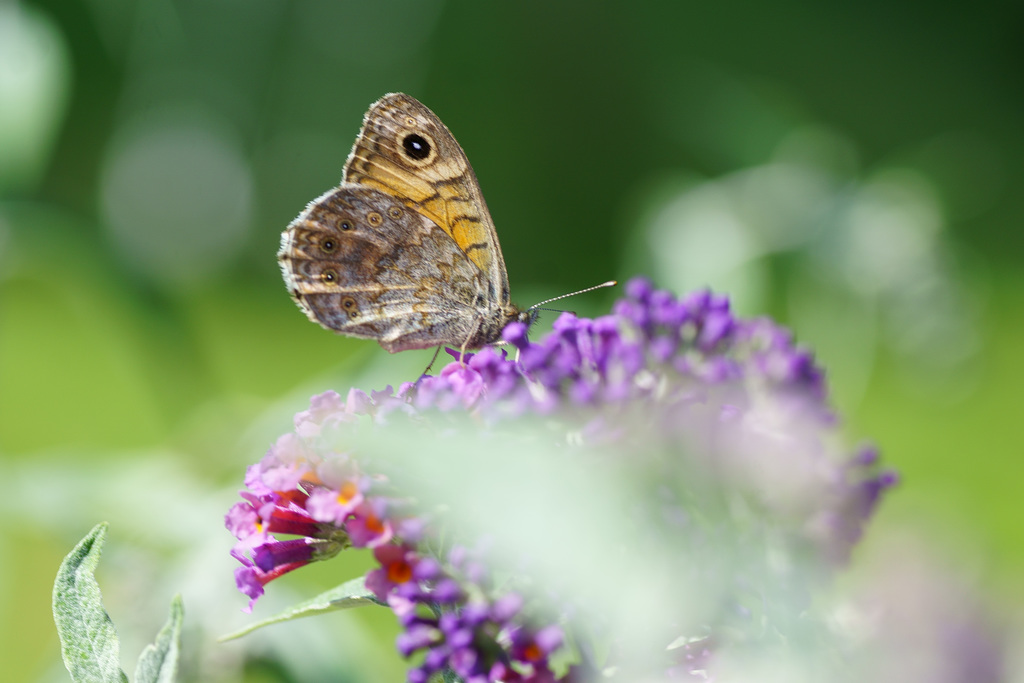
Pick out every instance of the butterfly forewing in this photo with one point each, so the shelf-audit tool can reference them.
(405, 150)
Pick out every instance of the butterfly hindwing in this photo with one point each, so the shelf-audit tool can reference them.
(361, 263)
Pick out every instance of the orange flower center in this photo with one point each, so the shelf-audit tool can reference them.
(399, 572)
(532, 653)
(347, 492)
(374, 524)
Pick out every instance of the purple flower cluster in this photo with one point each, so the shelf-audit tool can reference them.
(306, 487)
(462, 630)
(735, 401)
(695, 341)
(653, 349)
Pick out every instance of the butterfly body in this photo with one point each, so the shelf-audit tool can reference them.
(404, 250)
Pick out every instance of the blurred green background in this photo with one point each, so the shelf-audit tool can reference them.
(853, 170)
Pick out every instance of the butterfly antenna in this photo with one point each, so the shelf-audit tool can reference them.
(610, 283)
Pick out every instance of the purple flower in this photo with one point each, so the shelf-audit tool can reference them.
(732, 408)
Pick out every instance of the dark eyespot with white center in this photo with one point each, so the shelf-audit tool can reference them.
(416, 146)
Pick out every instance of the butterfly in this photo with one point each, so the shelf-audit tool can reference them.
(404, 250)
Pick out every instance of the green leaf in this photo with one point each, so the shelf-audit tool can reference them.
(158, 662)
(88, 640)
(349, 594)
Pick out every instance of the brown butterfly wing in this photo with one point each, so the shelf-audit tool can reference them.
(406, 151)
(359, 262)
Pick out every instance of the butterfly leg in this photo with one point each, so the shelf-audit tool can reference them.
(462, 351)
(437, 351)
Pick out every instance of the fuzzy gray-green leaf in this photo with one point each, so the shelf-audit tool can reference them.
(88, 640)
(158, 662)
(349, 594)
